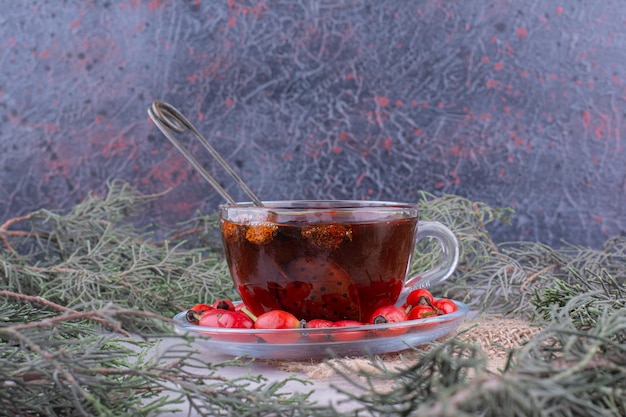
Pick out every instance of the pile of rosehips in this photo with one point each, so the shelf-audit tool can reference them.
(420, 304)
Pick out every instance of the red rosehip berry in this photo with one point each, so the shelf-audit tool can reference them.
(225, 319)
(224, 304)
(277, 319)
(388, 314)
(318, 324)
(421, 312)
(420, 296)
(351, 333)
(445, 306)
(194, 313)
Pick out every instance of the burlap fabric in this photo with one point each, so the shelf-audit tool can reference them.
(495, 335)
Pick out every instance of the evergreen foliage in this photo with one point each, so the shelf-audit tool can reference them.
(86, 299)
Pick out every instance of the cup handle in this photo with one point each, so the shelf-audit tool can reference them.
(446, 266)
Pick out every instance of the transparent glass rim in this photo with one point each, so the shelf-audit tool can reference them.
(315, 205)
(320, 211)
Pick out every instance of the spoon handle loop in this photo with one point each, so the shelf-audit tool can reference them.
(168, 119)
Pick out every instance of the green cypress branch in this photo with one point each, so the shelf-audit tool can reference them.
(86, 297)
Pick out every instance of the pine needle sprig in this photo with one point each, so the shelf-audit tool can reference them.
(543, 265)
(562, 371)
(62, 366)
(504, 280)
(92, 255)
(483, 273)
(444, 367)
(584, 298)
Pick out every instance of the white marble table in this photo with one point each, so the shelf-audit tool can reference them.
(323, 391)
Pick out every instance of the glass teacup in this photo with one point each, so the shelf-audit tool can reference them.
(329, 259)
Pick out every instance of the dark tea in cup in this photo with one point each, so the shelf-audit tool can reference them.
(333, 260)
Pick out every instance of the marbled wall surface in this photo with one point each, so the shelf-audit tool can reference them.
(517, 103)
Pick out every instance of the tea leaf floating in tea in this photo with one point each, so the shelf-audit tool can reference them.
(327, 236)
(261, 233)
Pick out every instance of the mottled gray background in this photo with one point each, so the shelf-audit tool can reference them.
(515, 103)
